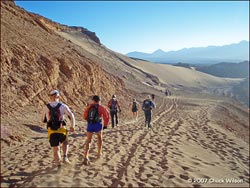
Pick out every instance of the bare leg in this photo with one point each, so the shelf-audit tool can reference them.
(99, 143)
(57, 155)
(65, 147)
(135, 114)
(87, 144)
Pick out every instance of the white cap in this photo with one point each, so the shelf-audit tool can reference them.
(54, 92)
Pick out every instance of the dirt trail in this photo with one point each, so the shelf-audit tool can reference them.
(182, 147)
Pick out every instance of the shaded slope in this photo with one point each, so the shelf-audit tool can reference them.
(34, 60)
(227, 70)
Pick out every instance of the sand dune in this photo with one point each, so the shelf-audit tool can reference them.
(185, 148)
(148, 73)
(173, 75)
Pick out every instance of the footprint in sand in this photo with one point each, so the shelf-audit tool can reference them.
(177, 154)
(121, 184)
(171, 176)
(185, 177)
(157, 153)
(130, 185)
(185, 168)
(149, 175)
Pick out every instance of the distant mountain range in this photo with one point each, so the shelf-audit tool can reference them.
(199, 55)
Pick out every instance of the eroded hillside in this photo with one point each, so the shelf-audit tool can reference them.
(35, 60)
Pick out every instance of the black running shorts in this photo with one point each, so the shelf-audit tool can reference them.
(134, 109)
(56, 138)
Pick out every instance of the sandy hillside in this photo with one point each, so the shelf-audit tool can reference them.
(166, 74)
(185, 147)
(197, 140)
(142, 76)
(173, 75)
(114, 63)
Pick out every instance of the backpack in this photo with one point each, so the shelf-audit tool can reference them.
(54, 123)
(134, 106)
(93, 114)
(113, 106)
(147, 105)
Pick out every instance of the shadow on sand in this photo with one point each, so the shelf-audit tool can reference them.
(36, 128)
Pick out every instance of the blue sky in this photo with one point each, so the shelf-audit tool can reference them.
(145, 26)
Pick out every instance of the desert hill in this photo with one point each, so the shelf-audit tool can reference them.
(227, 70)
(195, 133)
(239, 91)
(34, 60)
(136, 71)
(232, 70)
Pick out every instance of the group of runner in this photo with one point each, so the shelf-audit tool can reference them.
(97, 117)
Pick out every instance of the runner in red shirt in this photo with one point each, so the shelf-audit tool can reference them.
(94, 114)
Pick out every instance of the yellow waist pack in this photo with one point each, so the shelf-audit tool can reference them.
(61, 130)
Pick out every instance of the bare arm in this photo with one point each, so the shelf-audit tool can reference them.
(71, 115)
(43, 115)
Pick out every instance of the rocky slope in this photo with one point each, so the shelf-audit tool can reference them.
(35, 60)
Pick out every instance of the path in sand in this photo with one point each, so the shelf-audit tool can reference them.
(183, 145)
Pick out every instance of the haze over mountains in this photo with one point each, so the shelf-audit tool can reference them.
(234, 53)
(198, 131)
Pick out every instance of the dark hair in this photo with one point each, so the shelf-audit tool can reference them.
(96, 98)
